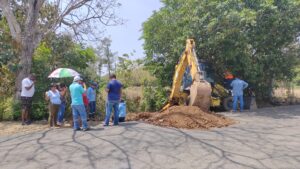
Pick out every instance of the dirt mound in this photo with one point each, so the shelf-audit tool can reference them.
(189, 117)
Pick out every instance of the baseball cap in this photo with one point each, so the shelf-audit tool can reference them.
(77, 78)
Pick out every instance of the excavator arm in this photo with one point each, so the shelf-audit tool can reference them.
(200, 90)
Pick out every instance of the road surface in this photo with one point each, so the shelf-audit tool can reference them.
(267, 138)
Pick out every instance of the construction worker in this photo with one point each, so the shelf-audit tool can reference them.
(238, 86)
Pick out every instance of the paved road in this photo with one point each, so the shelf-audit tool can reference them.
(268, 138)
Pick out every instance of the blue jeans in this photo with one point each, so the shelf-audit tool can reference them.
(79, 110)
(112, 104)
(92, 105)
(61, 112)
(235, 100)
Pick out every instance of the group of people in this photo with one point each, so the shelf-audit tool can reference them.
(82, 99)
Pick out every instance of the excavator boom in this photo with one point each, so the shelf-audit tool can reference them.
(200, 90)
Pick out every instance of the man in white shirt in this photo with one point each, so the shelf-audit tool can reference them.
(26, 97)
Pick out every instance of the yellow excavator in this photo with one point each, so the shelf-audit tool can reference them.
(199, 92)
(201, 89)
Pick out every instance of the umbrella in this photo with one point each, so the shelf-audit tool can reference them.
(63, 72)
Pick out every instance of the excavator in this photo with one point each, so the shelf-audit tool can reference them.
(201, 91)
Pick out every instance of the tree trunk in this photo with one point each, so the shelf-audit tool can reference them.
(25, 63)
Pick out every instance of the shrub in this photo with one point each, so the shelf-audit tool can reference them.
(6, 109)
(154, 98)
(39, 111)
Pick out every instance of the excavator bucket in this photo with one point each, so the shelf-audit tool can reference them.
(200, 95)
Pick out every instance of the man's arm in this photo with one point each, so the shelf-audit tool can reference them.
(245, 85)
(28, 86)
(47, 98)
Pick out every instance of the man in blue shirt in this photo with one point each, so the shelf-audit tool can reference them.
(91, 95)
(114, 90)
(78, 108)
(238, 86)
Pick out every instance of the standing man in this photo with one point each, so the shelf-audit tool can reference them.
(91, 95)
(26, 97)
(114, 90)
(238, 86)
(77, 105)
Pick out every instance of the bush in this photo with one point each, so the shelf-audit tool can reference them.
(16, 110)
(10, 109)
(154, 98)
(6, 109)
(39, 111)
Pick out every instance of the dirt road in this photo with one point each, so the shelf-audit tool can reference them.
(267, 138)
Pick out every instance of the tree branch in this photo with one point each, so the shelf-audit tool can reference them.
(14, 26)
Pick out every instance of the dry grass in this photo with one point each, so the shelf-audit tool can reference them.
(9, 128)
(133, 93)
(283, 92)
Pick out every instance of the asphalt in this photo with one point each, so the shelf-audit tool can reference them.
(266, 138)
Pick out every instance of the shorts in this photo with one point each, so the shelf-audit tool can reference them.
(26, 103)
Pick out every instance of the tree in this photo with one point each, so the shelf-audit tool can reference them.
(30, 21)
(252, 38)
(106, 56)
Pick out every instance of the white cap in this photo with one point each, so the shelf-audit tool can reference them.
(77, 78)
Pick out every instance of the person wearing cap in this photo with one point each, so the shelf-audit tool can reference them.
(228, 78)
(54, 96)
(91, 95)
(114, 90)
(77, 104)
(27, 93)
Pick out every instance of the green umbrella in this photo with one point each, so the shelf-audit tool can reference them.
(63, 72)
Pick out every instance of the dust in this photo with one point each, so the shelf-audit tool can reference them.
(187, 117)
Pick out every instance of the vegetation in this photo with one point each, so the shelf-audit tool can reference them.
(256, 39)
(29, 22)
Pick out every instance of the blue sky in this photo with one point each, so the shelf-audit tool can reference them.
(125, 38)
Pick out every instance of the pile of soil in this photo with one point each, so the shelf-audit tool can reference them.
(188, 117)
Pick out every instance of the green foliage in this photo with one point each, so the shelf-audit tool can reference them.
(8, 52)
(6, 109)
(10, 109)
(56, 51)
(132, 72)
(154, 97)
(296, 80)
(39, 110)
(253, 38)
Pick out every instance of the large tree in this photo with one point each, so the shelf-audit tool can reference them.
(30, 21)
(255, 38)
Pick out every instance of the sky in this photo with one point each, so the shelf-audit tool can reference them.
(125, 38)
